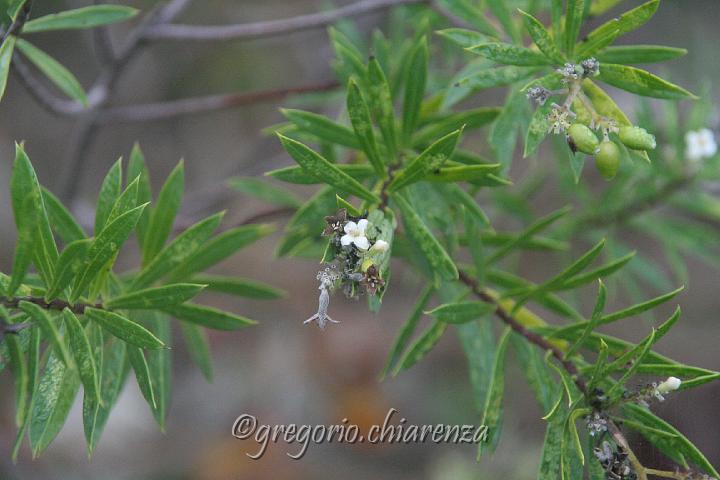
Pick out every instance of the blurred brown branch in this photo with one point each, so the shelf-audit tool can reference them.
(271, 27)
(173, 108)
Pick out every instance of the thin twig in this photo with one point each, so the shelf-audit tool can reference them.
(271, 27)
(211, 103)
(78, 308)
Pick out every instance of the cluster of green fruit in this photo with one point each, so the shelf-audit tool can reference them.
(607, 152)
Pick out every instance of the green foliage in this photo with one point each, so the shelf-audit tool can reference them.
(87, 325)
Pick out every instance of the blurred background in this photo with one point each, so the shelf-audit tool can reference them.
(281, 371)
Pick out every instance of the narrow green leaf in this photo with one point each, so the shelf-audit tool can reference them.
(6, 53)
(492, 77)
(219, 248)
(630, 54)
(641, 82)
(428, 161)
(478, 342)
(600, 272)
(58, 74)
(297, 174)
(463, 37)
(142, 374)
(163, 215)
(673, 444)
(198, 347)
(85, 17)
(415, 84)
(539, 124)
(55, 395)
(124, 328)
(381, 105)
(49, 328)
(177, 252)
(110, 190)
(573, 22)
(446, 124)
(493, 411)
(325, 171)
(208, 317)
(32, 385)
(465, 173)
(84, 358)
(158, 297)
(322, 127)
(264, 191)
(359, 114)
(241, 287)
(509, 54)
(406, 331)
(113, 367)
(19, 369)
(592, 45)
(61, 220)
(29, 209)
(542, 38)
(628, 21)
(138, 169)
(461, 312)
(421, 346)
(105, 247)
(160, 366)
(594, 320)
(68, 265)
(442, 264)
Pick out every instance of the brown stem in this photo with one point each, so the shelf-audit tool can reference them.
(78, 308)
(211, 103)
(271, 27)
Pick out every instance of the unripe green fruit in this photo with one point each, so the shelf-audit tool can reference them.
(582, 139)
(607, 159)
(637, 138)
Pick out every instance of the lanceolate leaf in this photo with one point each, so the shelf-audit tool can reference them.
(49, 327)
(198, 347)
(415, 83)
(629, 54)
(86, 17)
(628, 21)
(429, 160)
(443, 125)
(443, 266)
(493, 412)
(297, 174)
(109, 192)
(163, 215)
(359, 114)
(322, 127)
(159, 365)
(265, 191)
(508, 54)
(6, 53)
(52, 69)
(55, 395)
(151, 298)
(68, 266)
(124, 328)
(208, 317)
(114, 368)
(105, 247)
(84, 358)
(142, 374)
(61, 220)
(641, 82)
(381, 106)
(421, 346)
(542, 38)
(138, 169)
(325, 171)
(242, 287)
(461, 312)
(177, 252)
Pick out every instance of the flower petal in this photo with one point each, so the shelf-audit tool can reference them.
(362, 225)
(349, 226)
(362, 242)
(346, 240)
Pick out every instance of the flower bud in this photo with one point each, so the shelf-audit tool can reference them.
(607, 159)
(380, 246)
(669, 385)
(582, 139)
(637, 138)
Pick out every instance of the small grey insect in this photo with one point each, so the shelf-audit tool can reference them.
(327, 278)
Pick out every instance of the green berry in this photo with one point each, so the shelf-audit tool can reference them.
(582, 139)
(607, 159)
(637, 138)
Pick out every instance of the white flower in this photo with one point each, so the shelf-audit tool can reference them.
(700, 144)
(381, 246)
(355, 233)
(669, 385)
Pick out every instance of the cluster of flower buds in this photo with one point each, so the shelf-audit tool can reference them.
(615, 462)
(597, 423)
(580, 133)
